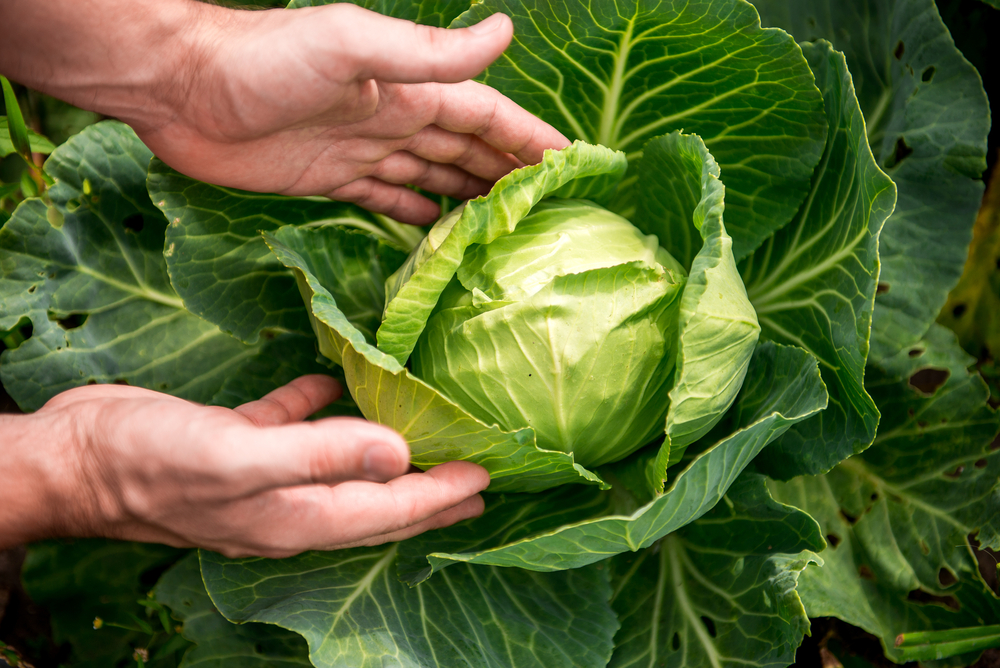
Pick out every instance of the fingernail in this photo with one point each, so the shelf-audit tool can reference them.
(487, 25)
(381, 462)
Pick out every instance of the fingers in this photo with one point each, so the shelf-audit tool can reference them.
(396, 201)
(466, 151)
(292, 402)
(473, 108)
(403, 168)
(290, 521)
(304, 453)
(403, 52)
(471, 507)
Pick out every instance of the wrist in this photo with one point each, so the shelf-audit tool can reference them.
(129, 59)
(35, 489)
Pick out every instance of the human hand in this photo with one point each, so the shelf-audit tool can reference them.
(139, 465)
(343, 102)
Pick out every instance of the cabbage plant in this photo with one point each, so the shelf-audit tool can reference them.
(657, 341)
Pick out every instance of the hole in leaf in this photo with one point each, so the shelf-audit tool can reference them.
(874, 496)
(850, 519)
(17, 335)
(258, 648)
(957, 473)
(989, 561)
(923, 598)
(121, 381)
(946, 577)
(866, 573)
(71, 321)
(916, 352)
(675, 642)
(833, 539)
(959, 310)
(995, 445)
(882, 288)
(900, 50)
(981, 463)
(709, 624)
(91, 382)
(928, 74)
(928, 381)
(903, 151)
(32, 289)
(998, 263)
(911, 412)
(134, 223)
(922, 424)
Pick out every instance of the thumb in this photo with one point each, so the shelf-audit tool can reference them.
(325, 451)
(398, 51)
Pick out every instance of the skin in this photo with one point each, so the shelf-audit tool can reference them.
(333, 101)
(124, 462)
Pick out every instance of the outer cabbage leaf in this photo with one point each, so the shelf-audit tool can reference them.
(720, 591)
(783, 387)
(899, 516)
(218, 642)
(928, 120)
(679, 191)
(619, 72)
(354, 612)
(437, 430)
(580, 171)
(219, 264)
(813, 284)
(87, 270)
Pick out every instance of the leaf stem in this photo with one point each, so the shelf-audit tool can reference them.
(931, 645)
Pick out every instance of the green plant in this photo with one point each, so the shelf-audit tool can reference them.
(808, 442)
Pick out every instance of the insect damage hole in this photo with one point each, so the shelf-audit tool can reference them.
(882, 288)
(900, 50)
(709, 625)
(924, 598)
(134, 223)
(946, 577)
(675, 642)
(833, 539)
(928, 74)
(70, 321)
(928, 381)
(902, 152)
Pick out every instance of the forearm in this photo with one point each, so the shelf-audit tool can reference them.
(35, 498)
(130, 59)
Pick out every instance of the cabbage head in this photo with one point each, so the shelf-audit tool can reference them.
(567, 325)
